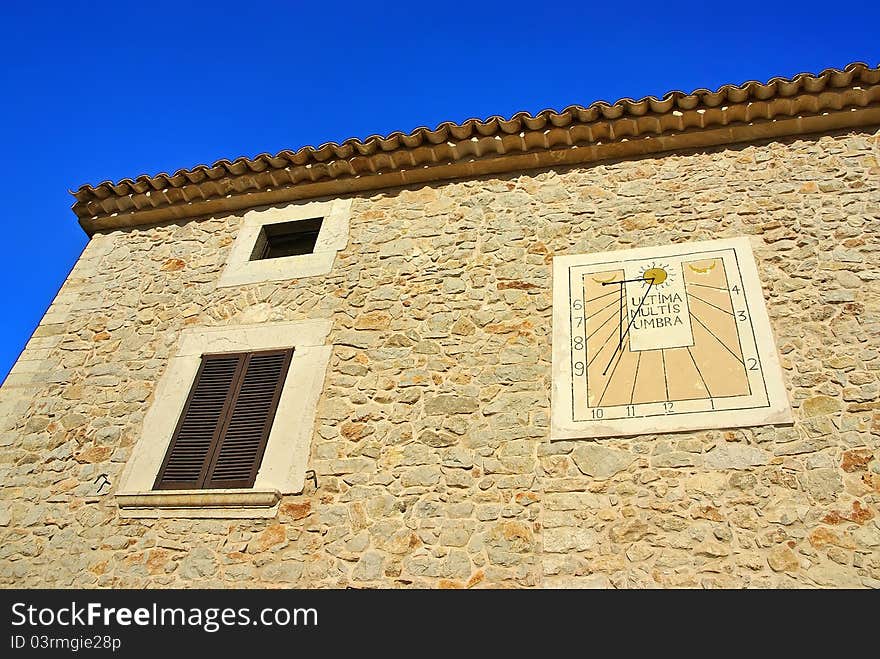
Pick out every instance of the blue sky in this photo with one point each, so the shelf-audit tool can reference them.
(99, 90)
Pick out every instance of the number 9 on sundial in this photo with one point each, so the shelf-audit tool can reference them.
(662, 339)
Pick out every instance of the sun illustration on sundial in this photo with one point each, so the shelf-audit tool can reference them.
(656, 274)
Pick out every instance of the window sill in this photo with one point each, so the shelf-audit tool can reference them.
(194, 504)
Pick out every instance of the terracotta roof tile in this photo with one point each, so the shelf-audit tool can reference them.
(186, 192)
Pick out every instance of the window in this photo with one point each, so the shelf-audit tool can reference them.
(287, 239)
(287, 242)
(230, 427)
(221, 435)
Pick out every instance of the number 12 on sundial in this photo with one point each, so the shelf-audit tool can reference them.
(662, 339)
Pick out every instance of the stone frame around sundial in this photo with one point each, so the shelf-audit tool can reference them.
(662, 339)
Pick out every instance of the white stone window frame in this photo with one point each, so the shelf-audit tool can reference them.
(283, 467)
(332, 237)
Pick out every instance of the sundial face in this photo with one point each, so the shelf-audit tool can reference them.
(662, 339)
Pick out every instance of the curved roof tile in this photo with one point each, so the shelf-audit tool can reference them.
(430, 146)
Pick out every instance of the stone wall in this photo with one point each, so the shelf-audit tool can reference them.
(431, 447)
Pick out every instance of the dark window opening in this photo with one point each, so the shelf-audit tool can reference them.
(222, 433)
(287, 239)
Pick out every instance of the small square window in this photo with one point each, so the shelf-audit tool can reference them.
(287, 239)
(280, 243)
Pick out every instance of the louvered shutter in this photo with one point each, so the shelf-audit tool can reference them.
(200, 424)
(222, 433)
(237, 459)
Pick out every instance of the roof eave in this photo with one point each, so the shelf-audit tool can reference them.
(451, 152)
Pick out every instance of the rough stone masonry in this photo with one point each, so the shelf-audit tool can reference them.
(431, 446)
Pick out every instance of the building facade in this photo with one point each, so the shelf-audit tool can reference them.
(409, 443)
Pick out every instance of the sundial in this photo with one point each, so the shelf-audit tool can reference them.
(662, 339)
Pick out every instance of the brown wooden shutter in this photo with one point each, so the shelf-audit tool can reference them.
(200, 424)
(221, 436)
(237, 459)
